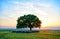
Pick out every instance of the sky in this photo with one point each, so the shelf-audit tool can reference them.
(48, 11)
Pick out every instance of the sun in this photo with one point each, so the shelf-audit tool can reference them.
(44, 21)
(43, 25)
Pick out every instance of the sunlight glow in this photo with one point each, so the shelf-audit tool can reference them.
(47, 12)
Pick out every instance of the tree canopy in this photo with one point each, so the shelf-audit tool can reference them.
(28, 21)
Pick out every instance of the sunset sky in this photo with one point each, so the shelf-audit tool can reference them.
(48, 11)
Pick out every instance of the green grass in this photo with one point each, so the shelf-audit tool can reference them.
(38, 35)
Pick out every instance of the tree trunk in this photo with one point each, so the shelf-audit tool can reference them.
(30, 28)
(39, 27)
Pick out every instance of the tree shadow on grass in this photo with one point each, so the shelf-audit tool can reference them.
(25, 31)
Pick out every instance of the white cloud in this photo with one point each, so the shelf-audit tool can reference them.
(20, 8)
(25, 8)
(45, 5)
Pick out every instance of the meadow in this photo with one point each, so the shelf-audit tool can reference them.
(43, 34)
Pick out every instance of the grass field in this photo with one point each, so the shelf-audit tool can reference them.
(43, 34)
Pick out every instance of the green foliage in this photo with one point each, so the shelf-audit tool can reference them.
(28, 21)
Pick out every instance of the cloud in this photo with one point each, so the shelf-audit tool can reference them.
(14, 9)
(22, 8)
